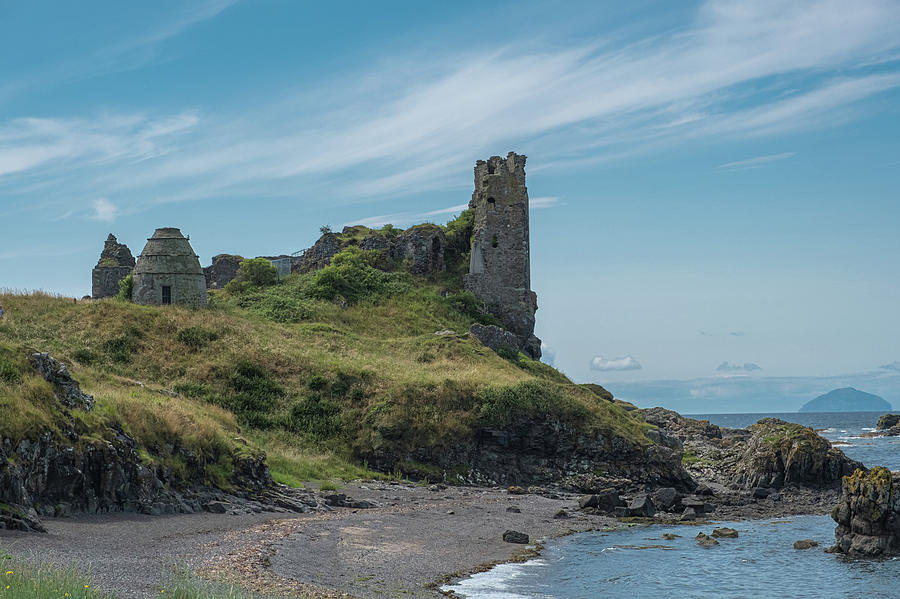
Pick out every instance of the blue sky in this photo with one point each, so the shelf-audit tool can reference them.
(714, 185)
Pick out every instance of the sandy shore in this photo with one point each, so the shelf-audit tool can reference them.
(407, 546)
(419, 538)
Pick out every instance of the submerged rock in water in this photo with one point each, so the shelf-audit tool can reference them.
(868, 514)
(725, 533)
(805, 544)
(704, 540)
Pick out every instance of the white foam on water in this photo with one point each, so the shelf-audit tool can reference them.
(495, 583)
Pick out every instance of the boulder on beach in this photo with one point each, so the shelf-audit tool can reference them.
(514, 536)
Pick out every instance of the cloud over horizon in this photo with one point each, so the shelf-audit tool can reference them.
(745, 367)
(623, 363)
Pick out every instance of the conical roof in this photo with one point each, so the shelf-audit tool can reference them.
(168, 252)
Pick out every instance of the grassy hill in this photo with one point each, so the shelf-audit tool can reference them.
(326, 372)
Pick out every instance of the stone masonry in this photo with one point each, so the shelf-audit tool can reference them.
(115, 263)
(223, 269)
(168, 271)
(500, 263)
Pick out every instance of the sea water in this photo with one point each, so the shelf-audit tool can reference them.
(637, 562)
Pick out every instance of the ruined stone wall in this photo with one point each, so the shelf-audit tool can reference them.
(105, 280)
(422, 246)
(223, 269)
(500, 262)
(114, 265)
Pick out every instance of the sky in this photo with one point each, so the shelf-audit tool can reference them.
(714, 185)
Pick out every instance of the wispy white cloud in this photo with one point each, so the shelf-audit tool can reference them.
(756, 162)
(623, 363)
(375, 133)
(542, 202)
(104, 210)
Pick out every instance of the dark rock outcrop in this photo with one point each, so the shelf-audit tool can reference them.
(66, 388)
(888, 426)
(223, 269)
(539, 451)
(761, 459)
(888, 421)
(606, 501)
(868, 514)
(781, 453)
(803, 544)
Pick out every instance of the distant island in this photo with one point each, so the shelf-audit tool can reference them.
(847, 399)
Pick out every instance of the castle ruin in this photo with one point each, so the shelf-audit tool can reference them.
(500, 262)
(169, 272)
(115, 264)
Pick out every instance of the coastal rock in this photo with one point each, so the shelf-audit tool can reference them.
(761, 492)
(887, 421)
(868, 514)
(526, 451)
(704, 540)
(606, 500)
(665, 498)
(725, 533)
(805, 544)
(781, 453)
(512, 536)
(641, 506)
(888, 426)
(67, 390)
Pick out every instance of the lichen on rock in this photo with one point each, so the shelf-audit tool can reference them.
(868, 514)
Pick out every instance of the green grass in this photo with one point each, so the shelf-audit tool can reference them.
(19, 580)
(320, 371)
(26, 580)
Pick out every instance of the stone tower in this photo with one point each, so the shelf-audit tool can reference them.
(168, 272)
(500, 263)
(114, 265)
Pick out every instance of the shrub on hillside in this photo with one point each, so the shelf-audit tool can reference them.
(353, 275)
(121, 349)
(500, 406)
(126, 288)
(197, 337)
(253, 393)
(254, 272)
